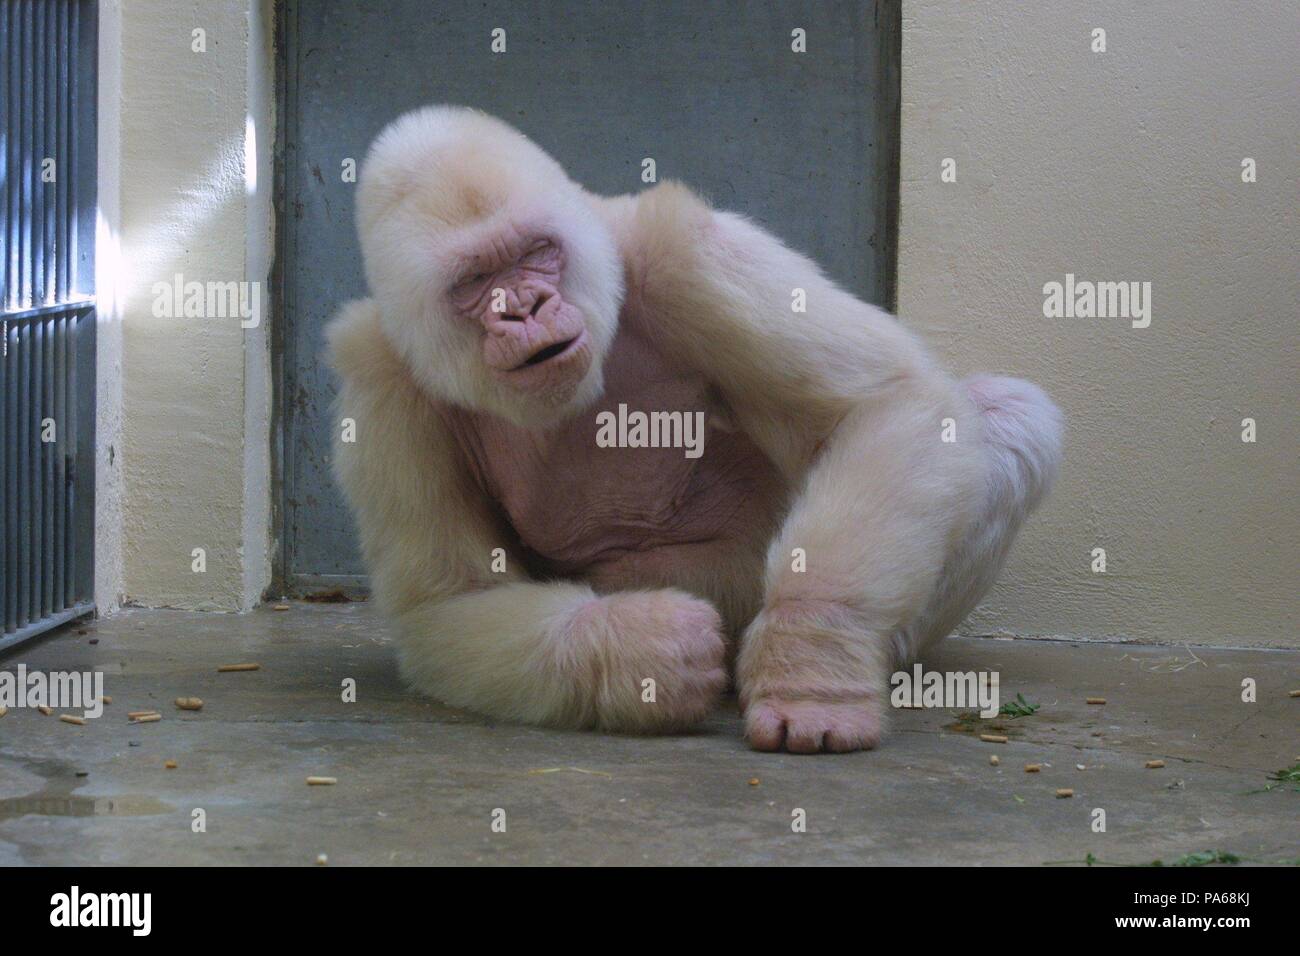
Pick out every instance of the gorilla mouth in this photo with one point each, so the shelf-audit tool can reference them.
(547, 353)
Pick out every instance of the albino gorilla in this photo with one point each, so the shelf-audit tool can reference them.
(851, 505)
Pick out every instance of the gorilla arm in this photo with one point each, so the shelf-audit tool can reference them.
(500, 644)
(850, 407)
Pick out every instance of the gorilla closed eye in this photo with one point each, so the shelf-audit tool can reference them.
(540, 246)
(475, 279)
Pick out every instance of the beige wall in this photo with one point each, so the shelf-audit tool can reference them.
(185, 142)
(1123, 165)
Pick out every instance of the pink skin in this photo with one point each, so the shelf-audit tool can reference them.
(811, 726)
(533, 339)
(627, 516)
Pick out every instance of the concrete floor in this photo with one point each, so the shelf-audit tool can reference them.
(418, 782)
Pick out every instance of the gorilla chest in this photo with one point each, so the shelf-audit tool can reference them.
(650, 465)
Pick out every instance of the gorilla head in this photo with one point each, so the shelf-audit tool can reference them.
(498, 284)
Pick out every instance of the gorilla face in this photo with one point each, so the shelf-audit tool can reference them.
(499, 285)
(536, 341)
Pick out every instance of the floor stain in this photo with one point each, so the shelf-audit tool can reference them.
(122, 805)
(58, 799)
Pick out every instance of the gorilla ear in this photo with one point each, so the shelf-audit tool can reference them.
(356, 345)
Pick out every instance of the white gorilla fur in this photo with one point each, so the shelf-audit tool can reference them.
(904, 532)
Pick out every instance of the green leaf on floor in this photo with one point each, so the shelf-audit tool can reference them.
(1289, 774)
(970, 722)
(1203, 858)
(1018, 708)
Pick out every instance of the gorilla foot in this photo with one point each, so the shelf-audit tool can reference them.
(813, 726)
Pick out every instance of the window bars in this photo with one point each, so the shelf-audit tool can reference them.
(47, 313)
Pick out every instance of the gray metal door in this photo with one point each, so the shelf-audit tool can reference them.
(47, 314)
(804, 142)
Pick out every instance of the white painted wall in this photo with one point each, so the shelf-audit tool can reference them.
(185, 187)
(110, 566)
(1112, 166)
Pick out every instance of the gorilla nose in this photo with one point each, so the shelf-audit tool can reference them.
(522, 309)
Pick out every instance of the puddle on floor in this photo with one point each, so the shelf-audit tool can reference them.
(123, 805)
(57, 798)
